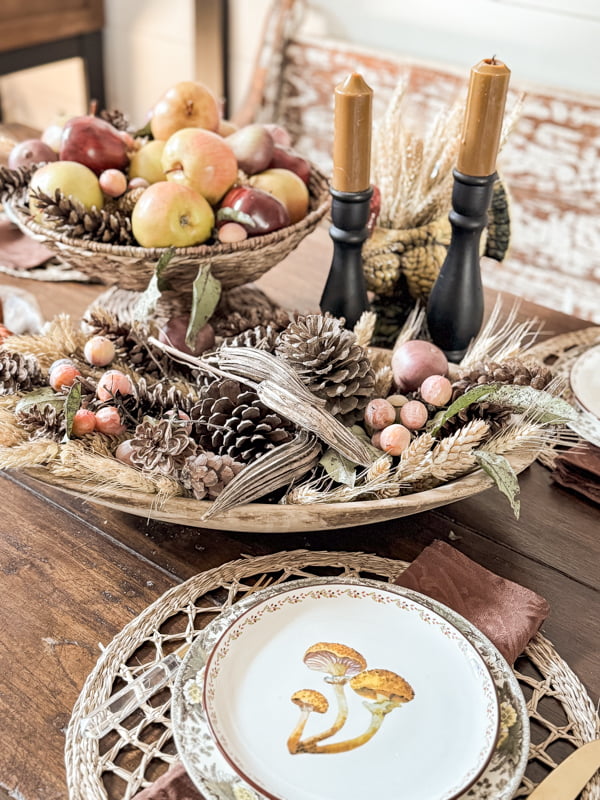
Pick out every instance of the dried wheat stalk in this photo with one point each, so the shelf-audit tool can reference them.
(10, 433)
(29, 454)
(502, 337)
(378, 480)
(413, 457)
(365, 328)
(384, 378)
(59, 340)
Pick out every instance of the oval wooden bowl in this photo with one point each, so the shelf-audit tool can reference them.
(132, 267)
(271, 518)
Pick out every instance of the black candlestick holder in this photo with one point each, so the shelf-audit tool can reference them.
(345, 292)
(455, 307)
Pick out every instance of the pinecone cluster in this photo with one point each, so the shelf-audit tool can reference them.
(229, 419)
(68, 215)
(115, 118)
(245, 308)
(19, 373)
(43, 422)
(512, 371)
(161, 445)
(205, 475)
(13, 180)
(330, 362)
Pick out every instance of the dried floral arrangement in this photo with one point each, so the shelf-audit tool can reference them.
(283, 408)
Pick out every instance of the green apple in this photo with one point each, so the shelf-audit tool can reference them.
(72, 178)
(201, 160)
(146, 162)
(171, 215)
(287, 187)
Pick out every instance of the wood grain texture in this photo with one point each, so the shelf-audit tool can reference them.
(28, 22)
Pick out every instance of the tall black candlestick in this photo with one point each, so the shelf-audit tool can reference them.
(345, 292)
(455, 307)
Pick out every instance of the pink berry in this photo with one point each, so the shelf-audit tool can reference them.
(84, 421)
(413, 415)
(232, 232)
(394, 439)
(112, 382)
(437, 390)
(123, 453)
(113, 182)
(138, 183)
(108, 420)
(99, 351)
(376, 439)
(63, 375)
(58, 363)
(379, 413)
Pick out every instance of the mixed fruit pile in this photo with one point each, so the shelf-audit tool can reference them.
(188, 177)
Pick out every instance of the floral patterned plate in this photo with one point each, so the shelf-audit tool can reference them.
(342, 728)
(585, 380)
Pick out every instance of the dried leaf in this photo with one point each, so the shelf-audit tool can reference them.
(72, 406)
(548, 409)
(206, 291)
(146, 304)
(339, 468)
(41, 397)
(503, 475)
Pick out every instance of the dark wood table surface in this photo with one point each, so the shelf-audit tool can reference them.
(74, 573)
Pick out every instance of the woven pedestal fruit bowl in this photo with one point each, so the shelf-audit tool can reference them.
(131, 267)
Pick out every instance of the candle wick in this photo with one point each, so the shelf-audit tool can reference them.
(493, 59)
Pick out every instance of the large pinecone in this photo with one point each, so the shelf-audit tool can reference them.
(512, 371)
(246, 307)
(207, 474)
(67, 215)
(19, 372)
(12, 180)
(161, 445)
(330, 362)
(229, 419)
(43, 422)
(156, 399)
(262, 337)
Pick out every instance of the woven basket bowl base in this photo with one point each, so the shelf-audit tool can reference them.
(130, 758)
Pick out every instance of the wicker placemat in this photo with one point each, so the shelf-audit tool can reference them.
(139, 750)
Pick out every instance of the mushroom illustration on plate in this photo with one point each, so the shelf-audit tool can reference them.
(339, 663)
(384, 691)
(307, 700)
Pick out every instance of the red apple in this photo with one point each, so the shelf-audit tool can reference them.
(72, 178)
(187, 104)
(286, 158)
(174, 332)
(28, 152)
(287, 187)
(256, 211)
(146, 162)
(253, 147)
(94, 142)
(202, 160)
(171, 215)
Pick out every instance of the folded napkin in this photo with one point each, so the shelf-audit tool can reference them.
(507, 613)
(19, 251)
(579, 469)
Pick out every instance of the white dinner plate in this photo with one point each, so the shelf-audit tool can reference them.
(418, 703)
(217, 780)
(585, 380)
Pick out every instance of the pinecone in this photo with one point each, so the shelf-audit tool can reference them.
(19, 372)
(12, 180)
(229, 419)
(161, 445)
(494, 414)
(262, 337)
(207, 474)
(246, 307)
(67, 215)
(43, 422)
(330, 363)
(131, 344)
(156, 399)
(126, 203)
(115, 118)
(512, 371)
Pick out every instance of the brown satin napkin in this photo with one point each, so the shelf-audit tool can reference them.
(18, 251)
(579, 469)
(507, 613)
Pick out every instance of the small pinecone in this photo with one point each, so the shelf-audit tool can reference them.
(161, 446)
(330, 362)
(43, 422)
(207, 474)
(19, 372)
(512, 371)
(493, 413)
(12, 180)
(131, 344)
(229, 419)
(237, 322)
(67, 215)
(115, 118)
(126, 203)
(156, 399)
(262, 337)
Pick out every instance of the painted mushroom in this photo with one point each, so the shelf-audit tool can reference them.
(340, 663)
(386, 691)
(307, 701)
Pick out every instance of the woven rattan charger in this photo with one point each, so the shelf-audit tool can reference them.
(129, 758)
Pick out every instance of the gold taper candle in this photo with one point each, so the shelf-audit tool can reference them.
(352, 135)
(483, 118)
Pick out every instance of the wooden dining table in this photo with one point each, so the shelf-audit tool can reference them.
(74, 572)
